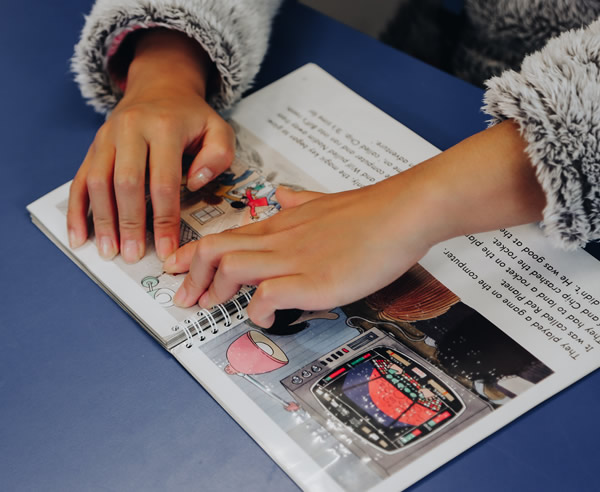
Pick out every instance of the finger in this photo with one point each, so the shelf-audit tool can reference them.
(99, 182)
(130, 167)
(216, 155)
(287, 292)
(288, 198)
(165, 184)
(79, 203)
(241, 268)
(180, 260)
(205, 261)
(254, 228)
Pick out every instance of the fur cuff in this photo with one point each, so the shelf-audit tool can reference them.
(233, 33)
(555, 99)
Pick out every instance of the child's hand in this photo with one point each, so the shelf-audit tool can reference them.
(323, 251)
(320, 251)
(163, 114)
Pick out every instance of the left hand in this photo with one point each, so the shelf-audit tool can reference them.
(319, 252)
(162, 115)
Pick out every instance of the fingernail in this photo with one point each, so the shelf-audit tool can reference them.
(132, 251)
(107, 248)
(199, 179)
(170, 262)
(205, 302)
(182, 298)
(165, 247)
(74, 239)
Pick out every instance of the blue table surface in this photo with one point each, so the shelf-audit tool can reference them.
(89, 401)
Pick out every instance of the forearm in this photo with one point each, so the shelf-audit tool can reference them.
(485, 182)
(234, 33)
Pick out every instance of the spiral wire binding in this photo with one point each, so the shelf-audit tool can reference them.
(188, 335)
(197, 323)
(240, 309)
(225, 314)
(245, 293)
(213, 324)
(219, 315)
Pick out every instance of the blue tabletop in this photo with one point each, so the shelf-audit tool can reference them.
(89, 401)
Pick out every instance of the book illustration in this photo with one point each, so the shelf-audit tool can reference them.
(220, 207)
(162, 295)
(395, 375)
(254, 353)
(424, 367)
(439, 327)
(186, 234)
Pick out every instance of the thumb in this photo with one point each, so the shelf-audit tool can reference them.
(289, 198)
(180, 260)
(216, 155)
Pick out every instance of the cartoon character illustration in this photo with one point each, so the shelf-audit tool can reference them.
(263, 201)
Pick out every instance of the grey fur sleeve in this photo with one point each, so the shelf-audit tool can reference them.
(234, 33)
(555, 99)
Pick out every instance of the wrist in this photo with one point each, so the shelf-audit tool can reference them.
(484, 183)
(410, 204)
(167, 59)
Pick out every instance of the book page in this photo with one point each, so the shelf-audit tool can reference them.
(375, 395)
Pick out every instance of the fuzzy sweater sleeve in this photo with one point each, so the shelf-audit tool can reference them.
(234, 33)
(555, 99)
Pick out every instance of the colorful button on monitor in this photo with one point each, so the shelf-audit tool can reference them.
(411, 436)
(439, 418)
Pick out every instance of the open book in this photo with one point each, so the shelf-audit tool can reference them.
(376, 394)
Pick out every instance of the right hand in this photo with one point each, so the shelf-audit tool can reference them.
(162, 115)
(323, 251)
